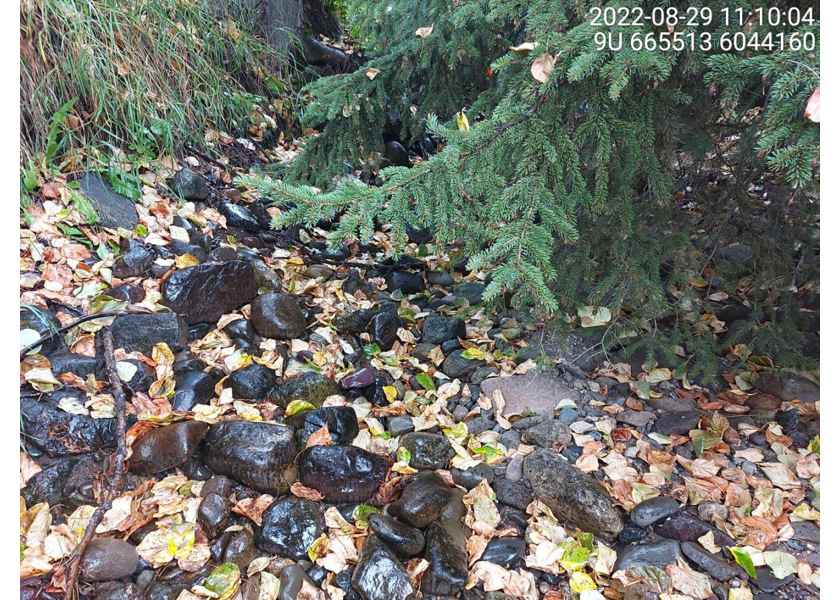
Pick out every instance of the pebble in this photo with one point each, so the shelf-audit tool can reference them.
(652, 510)
(679, 423)
(166, 447)
(399, 537)
(512, 494)
(108, 558)
(716, 566)
(192, 388)
(341, 422)
(342, 473)
(383, 329)
(428, 451)
(213, 513)
(471, 477)
(277, 316)
(251, 382)
(423, 500)
(240, 550)
(309, 387)
(290, 526)
(657, 554)
(379, 575)
(505, 552)
(549, 434)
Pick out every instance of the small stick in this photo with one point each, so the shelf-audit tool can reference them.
(118, 465)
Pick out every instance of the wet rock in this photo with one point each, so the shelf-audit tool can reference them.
(407, 283)
(160, 591)
(767, 582)
(512, 494)
(342, 473)
(340, 420)
(395, 155)
(658, 554)
(114, 210)
(737, 253)
(505, 552)
(535, 392)
(252, 382)
(37, 323)
(399, 537)
(354, 283)
(260, 455)
(143, 377)
(379, 575)
(549, 434)
(205, 292)
(438, 329)
(290, 526)
(291, 581)
(709, 511)
(806, 531)
(446, 551)
(717, 567)
(423, 500)
(180, 248)
(191, 388)
(456, 366)
(354, 322)
(471, 477)
(679, 423)
(672, 405)
(241, 329)
(788, 387)
(764, 402)
(67, 481)
(632, 534)
(399, 425)
(471, 291)
(140, 332)
(116, 590)
(320, 271)
(78, 364)
(241, 549)
(189, 185)
(788, 419)
(483, 373)
(383, 329)
(266, 277)
(309, 387)
(59, 433)
(222, 254)
(134, 259)
(239, 216)
(278, 316)
(127, 292)
(441, 278)
(358, 379)
(428, 451)
(635, 418)
(107, 558)
(652, 510)
(572, 495)
(685, 527)
(166, 447)
(213, 513)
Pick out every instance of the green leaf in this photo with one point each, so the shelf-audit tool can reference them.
(426, 381)
(296, 406)
(362, 511)
(403, 455)
(487, 451)
(743, 559)
(311, 367)
(224, 581)
(472, 354)
(372, 349)
(85, 208)
(407, 314)
(594, 316)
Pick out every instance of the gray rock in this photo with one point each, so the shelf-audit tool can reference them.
(532, 391)
(278, 316)
(309, 387)
(400, 425)
(549, 434)
(205, 292)
(379, 575)
(320, 271)
(260, 455)
(635, 418)
(456, 366)
(480, 424)
(191, 388)
(737, 253)
(438, 329)
(441, 278)
(788, 387)
(446, 551)
(767, 582)
(140, 332)
(572, 495)
(422, 351)
(265, 276)
(652, 510)
(470, 290)
(677, 423)
(709, 511)
(471, 477)
(399, 537)
(512, 494)
(685, 527)
(342, 473)
(240, 549)
(383, 329)
(672, 405)
(483, 373)
(510, 439)
(806, 531)
(568, 415)
(134, 259)
(213, 513)
(428, 451)
(717, 567)
(117, 590)
(106, 559)
(114, 210)
(515, 469)
(505, 552)
(290, 526)
(423, 500)
(659, 554)
(251, 382)
(190, 185)
(166, 447)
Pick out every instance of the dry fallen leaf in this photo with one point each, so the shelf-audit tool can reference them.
(371, 73)
(321, 437)
(253, 508)
(424, 31)
(812, 109)
(301, 491)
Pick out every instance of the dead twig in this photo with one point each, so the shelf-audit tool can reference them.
(118, 465)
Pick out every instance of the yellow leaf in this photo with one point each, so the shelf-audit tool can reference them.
(524, 46)
(371, 73)
(463, 123)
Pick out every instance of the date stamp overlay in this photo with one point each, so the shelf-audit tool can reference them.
(730, 29)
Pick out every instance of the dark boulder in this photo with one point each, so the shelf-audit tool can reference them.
(278, 316)
(423, 500)
(134, 259)
(59, 433)
(252, 382)
(140, 332)
(166, 447)
(205, 292)
(309, 387)
(342, 473)
(189, 185)
(192, 388)
(290, 526)
(379, 575)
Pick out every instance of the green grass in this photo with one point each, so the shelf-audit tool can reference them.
(134, 79)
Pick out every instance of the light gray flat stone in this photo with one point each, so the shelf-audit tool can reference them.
(532, 391)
